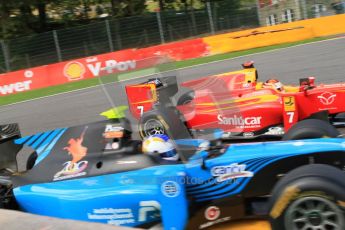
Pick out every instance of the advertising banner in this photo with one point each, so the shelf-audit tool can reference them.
(99, 65)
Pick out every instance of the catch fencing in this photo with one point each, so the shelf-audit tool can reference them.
(108, 35)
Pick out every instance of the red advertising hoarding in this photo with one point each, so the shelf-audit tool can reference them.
(99, 65)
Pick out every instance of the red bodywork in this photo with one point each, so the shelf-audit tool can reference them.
(235, 105)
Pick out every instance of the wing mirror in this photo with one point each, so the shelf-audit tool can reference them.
(306, 83)
(210, 149)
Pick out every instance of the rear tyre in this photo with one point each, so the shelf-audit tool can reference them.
(186, 98)
(151, 124)
(311, 128)
(30, 163)
(309, 197)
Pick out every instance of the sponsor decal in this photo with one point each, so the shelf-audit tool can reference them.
(275, 131)
(118, 216)
(126, 180)
(112, 145)
(248, 134)
(247, 122)
(28, 74)
(15, 87)
(226, 134)
(212, 213)
(228, 172)
(112, 131)
(327, 98)
(76, 166)
(149, 210)
(126, 162)
(74, 71)
(170, 189)
(109, 66)
(289, 103)
(210, 223)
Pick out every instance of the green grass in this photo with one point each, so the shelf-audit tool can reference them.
(5, 100)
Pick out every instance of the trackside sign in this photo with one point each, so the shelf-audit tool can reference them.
(99, 65)
(65, 72)
(15, 87)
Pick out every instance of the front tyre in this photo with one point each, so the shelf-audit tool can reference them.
(310, 197)
(314, 212)
(311, 128)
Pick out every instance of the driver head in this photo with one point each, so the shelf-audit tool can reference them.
(160, 145)
(274, 84)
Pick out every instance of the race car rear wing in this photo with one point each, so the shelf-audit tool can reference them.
(143, 97)
(8, 149)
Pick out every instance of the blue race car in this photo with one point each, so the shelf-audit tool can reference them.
(97, 172)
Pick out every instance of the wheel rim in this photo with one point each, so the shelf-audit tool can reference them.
(153, 127)
(314, 213)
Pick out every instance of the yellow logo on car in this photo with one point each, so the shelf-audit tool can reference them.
(289, 103)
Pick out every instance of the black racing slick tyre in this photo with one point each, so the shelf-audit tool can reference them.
(311, 128)
(152, 124)
(30, 163)
(309, 197)
(186, 98)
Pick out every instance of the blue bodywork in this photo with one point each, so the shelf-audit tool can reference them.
(160, 193)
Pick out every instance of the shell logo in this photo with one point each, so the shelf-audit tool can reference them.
(74, 71)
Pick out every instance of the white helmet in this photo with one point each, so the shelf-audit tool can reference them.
(274, 84)
(160, 145)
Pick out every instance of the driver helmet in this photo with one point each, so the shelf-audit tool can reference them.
(160, 145)
(274, 84)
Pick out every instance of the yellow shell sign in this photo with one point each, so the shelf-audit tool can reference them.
(74, 71)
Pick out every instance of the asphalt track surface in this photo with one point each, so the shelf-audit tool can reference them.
(325, 60)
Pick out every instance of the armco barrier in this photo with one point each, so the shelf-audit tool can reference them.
(131, 59)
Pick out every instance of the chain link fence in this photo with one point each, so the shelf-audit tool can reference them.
(153, 29)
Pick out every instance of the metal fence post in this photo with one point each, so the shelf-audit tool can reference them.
(57, 45)
(210, 18)
(304, 9)
(110, 39)
(160, 26)
(6, 56)
(194, 27)
(118, 35)
(258, 13)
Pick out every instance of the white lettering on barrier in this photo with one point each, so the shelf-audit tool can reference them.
(111, 66)
(15, 87)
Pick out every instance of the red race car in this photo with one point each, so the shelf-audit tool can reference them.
(239, 106)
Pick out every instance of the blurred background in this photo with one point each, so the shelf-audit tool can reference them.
(39, 32)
